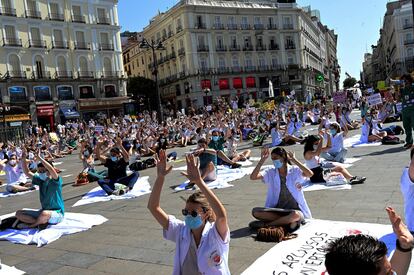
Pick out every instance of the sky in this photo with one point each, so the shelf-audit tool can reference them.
(357, 23)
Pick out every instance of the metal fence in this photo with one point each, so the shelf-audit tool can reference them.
(14, 134)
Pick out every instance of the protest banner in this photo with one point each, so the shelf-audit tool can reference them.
(339, 97)
(399, 107)
(375, 99)
(306, 253)
(99, 128)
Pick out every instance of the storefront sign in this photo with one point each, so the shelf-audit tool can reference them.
(15, 124)
(21, 117)
(45, 110)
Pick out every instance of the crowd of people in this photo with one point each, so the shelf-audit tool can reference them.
(127, 145)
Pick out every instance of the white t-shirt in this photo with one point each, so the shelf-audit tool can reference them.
(337, 143)
(14, 174)
(212, 253)
(276, 137)
(407, 189)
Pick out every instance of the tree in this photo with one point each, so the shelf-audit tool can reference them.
(349, 82)
(141, 87)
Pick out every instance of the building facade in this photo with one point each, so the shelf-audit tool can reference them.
(229, 48)
(61, 59)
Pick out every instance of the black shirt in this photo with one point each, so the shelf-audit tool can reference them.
(116, 170)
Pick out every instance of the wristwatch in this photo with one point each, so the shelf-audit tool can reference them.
(399, 248)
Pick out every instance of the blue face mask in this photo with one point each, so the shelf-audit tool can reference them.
(42, 176)
(114, 159)
(278, 163)
(333, 132)
(215, 138)
(193, 222)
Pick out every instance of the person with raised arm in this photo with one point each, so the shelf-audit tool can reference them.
(202, 240)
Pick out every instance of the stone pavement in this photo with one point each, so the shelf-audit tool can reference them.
(130, 242)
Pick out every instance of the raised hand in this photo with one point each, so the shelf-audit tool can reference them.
(161, 163)
(193, 173)
(404, 236)
(291, 155)
(265, 153)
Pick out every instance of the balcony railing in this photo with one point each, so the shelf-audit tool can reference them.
(200, 26)
(8, 11)
(232, 26)
(234, 48)
(409, 41)
(205, 71)
(182, 75)
(250, 68)
(41, 75)
(85, 74)
(236, 69)
(407, 26)
(272, 27)
(218, 26)
(37, 44)
(202, 48)
(110, 74)
(288, 26)
(33, 14)
(179, 29)
(247, 48)
(64, 74)
(104, 21)
(82, 46)
(245, 26)
(12, 42)
(56, 17)
(106, 47)
(60, 45)
(78, 18)
(170, 34)
(223, 70)
(273, 47)
(181, 51)
(221, 48)
(260, 47)
(16, 74)
(259, 27)
(290, 47)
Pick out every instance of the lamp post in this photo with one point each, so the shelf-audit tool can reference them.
(145, 44)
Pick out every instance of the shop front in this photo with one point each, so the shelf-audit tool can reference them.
(102, 107)
(45, 116)
(14, 121)
(68, 111)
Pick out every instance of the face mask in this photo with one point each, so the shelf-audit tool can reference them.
(215, 138)
(333, 132)
(278, 163)
(12, 162)
(114, 159)
(193, 222)
(42, 176)
(162, 140)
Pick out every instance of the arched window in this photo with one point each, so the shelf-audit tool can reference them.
(39, 67)
(110, 91)
(65, 92)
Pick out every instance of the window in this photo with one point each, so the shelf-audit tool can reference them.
(42, 93)
(203, 63)
(247, 41)
(110, 91)
(245, 21)
(10, 32)
(54, 8)
(232, 21)
(14, 64)
(257, 21)
(76, 10)
(35, 35)
(217, 20)
(235, 62)
(17, 93)
(222, 63)
(201, 41)
(57, 36)
(274, 61)
(409, 52)
(220, 42)
(233, 42)
(86, 92)
(262, 61)
(249, 62)
(65, 92)
(102, 18)
(83, 65)
(61, 65)
(290, 59)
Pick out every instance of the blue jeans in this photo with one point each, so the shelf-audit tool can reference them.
(55, 217)
(108, 185)
(337, 157)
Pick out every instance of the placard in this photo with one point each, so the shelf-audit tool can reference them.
(399, 107)
(339, 97)
(99, 128)
(375, 99)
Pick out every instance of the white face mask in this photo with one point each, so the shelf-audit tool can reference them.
(12, 162)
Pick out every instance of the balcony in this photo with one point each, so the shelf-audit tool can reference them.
(203, 48)
(170, 34)
(63, 74)
(245, 27)
(273, 47)
(236, 69)
(181, 52)
(409, 41)
(260, 48)
(82, 46)
(60, 45)
(179, 29)
(41, 75)
(37, 44)
(110, 74)
(263, 68)
(232, 26)
(223, 70)
(271, 27)
(56, 17)
(78, 18)
(16, 74)
(205, 71)
(8, 12)
(218, 26)
(288, 26)
(221, 48)
(248, 48)
(33, 14)
(12, 42)
(106, 47)
(259, 27)
(250, 69)
(104, 21)
(85, 74)
(182, 75)
(407, 26)
(201, 26)
(290, 47)
(234, 48)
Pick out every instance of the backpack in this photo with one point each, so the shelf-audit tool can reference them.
(390, 140)
(138, 166)
(398, 130)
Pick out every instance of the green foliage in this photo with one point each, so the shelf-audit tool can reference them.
(349, 82)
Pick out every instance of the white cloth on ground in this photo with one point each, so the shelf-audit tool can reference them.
(72, 223)
(6, 194)
(10, 270)
(141, 187)
(355, 141)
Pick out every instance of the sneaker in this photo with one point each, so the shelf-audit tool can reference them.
(257, 224)
(357, 180)
(118, 192)
(235, 165)
(407, 146)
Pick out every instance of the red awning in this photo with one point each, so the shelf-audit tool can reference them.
(237, 83)
(45, 110)
(224, 84)
(251, 82)
(206, 84)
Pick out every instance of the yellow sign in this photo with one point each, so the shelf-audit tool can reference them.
(23, 117)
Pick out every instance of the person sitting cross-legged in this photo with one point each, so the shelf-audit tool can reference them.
(50, 191)
(16, 179)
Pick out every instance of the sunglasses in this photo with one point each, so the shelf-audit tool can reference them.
(193, 213)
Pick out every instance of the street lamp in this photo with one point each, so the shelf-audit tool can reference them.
(145, 44)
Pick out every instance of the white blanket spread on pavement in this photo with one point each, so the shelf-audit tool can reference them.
(141, 187)
(10, 270)
(72, 223)
(355, 141)
(309, 186)
(304, 255)
(6, 194)
(348, 162)
(225, 175)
